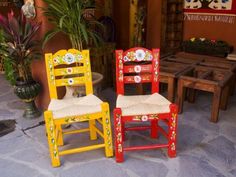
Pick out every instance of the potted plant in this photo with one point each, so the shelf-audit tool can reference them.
(73, 18)
(69, 17)
(19, 49)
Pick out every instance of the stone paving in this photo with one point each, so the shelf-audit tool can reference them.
(205, 149)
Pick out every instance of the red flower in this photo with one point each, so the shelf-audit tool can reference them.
(213, 40)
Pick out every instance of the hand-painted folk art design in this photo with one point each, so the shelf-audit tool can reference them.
(210, 6)
(140, 65)
(69, 68)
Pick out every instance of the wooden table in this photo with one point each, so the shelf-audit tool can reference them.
(210, 79)
(222, 64)
(171, 68)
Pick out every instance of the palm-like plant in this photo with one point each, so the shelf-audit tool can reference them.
(18, 46)
(69, 17)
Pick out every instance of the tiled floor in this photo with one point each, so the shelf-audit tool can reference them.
(205, 149)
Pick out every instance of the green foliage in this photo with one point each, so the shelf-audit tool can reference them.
(7, 64)
(18, 47)
(207, 47)
(69, 17)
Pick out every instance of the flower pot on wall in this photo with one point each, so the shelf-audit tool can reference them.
(27, 92)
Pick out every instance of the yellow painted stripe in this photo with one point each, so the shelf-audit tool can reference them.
(76, 131)
(80, 118)
(99, 132)
(69, 71)
(82, 149)
(100, 121)
(70, 81)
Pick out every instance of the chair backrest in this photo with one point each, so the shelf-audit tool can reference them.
(137, 65)
(68, 68)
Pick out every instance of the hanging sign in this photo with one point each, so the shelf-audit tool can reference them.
(210, 6)
(223, 11)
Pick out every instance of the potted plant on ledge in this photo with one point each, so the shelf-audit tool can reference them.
(18, 49)
(74, 19)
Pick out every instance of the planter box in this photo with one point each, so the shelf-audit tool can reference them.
(218, 49)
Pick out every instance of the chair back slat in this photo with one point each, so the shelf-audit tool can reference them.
(68, 68)
(138, 69)
(69, 71)
(137, 65)
(145, 78)
(70, 81)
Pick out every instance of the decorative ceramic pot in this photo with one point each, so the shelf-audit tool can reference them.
(79, 90)
(27, 92)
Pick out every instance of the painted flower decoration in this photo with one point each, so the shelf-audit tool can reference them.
(140, 55)
(137, 69)
(69, 70)
(202, 39)
(150, 57)
(144, 118)
(137, 79)
(70, 81)
(55, 60)
(126, 58)
(213, 41)
(69, 58)
(80, 57)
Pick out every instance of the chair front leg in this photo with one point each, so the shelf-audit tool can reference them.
(107, 129)
(172, 130)
(52, 141)
(118, 135)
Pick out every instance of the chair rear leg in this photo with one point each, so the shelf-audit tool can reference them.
(52, 142)
(60, 136)
(172, 130)
(93, 134)
(118, 135)
(154, 128)
(107, 130)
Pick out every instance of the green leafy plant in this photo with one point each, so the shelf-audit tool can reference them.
(18, 46)
(71, 18)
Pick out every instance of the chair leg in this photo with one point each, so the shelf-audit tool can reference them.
(123, 131)
(60, 136)
(52, 142)
(118, 135)
(107, 130)
(172, 131)
(154, 128)
(93, 134)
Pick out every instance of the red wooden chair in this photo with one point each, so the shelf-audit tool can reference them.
(139, 65)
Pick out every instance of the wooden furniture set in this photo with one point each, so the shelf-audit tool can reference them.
(170, 69)
(72, 67)
(134, 66)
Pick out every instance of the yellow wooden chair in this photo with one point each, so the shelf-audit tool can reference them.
(68, 68)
